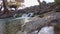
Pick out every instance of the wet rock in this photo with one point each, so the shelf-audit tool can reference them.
(37, 23)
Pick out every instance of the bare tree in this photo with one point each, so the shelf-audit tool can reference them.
(39, 3)
(6, 13)
(5, 6)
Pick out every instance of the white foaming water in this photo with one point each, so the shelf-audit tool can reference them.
(45, 30)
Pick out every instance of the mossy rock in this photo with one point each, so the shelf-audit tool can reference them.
(19, 15)
(41, 15)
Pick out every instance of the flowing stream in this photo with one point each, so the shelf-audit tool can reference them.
(44, 30)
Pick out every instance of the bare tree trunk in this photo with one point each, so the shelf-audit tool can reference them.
(39, 6)
(5, 6)
(6, 13)
(39, 3)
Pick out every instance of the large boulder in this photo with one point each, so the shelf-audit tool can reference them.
(37, 23)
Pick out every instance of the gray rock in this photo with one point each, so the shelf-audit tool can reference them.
(37, 23)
